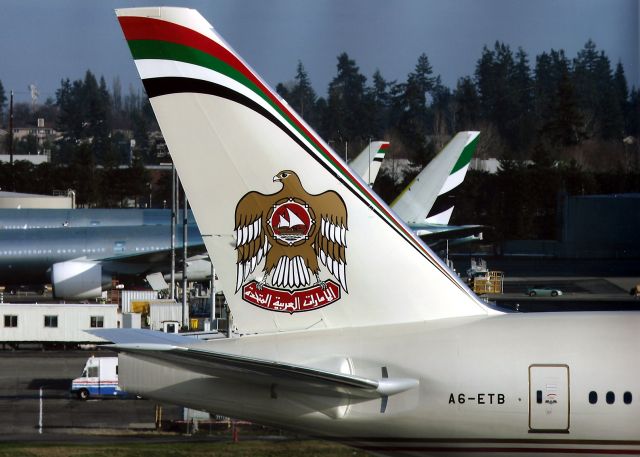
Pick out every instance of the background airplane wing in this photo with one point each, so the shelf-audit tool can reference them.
(139, 263)
(435, 232)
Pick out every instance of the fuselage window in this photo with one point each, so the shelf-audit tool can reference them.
(611, 398)
(627, 398)
(593, 397)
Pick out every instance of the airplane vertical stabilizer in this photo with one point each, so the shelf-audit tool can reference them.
(428, 198)
(298, 240)
(367, 164)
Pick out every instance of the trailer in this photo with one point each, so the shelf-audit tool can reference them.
(53, 323)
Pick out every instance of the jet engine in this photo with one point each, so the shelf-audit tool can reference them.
(78, 280)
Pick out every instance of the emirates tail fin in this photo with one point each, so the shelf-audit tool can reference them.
(429, 197)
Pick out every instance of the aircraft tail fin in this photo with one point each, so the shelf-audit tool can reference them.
(440, 212)
(367, 164)
(427, 198)
(299, 241)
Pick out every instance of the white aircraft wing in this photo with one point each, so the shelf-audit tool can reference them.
(438, 232)
(186, 353)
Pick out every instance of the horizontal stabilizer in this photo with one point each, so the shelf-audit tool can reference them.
(176, 352)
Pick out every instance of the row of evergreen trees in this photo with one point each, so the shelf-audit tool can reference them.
(85, 111)
(524, 112)
(568, 115)
(94, 187)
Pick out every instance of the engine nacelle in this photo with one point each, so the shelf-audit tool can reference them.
(78, 280)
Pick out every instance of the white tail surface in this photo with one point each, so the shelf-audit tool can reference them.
(367, 164)
(426, 200)
(246, 160)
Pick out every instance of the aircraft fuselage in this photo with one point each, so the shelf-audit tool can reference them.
(509, 384)
(27, 255)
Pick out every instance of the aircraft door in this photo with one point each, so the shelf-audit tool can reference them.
(549, 398)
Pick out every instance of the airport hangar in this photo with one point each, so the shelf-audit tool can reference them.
(589, 227)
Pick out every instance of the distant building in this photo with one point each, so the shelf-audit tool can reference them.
(492, 165)
(40, 132)
(19, 200)
(487, 165)
(35, 159)
(591, 227)
(601, 226)
(43, 136)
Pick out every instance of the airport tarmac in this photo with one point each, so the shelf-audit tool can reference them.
(23, 373)
(595, 286)
(578, 294)
(515, 266)
(69, 420)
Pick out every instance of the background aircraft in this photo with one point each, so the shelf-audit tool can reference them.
(367, 163)
(29, 266)
(15, 219)
(80, 262)
(140, 222)
(427, 203)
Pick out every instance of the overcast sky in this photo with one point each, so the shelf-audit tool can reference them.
(44, 41)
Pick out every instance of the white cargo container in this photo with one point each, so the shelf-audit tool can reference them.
(128, 296)
(161, 311)
(54, 323)
(131, 320)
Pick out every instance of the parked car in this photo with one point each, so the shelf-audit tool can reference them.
(542, 291)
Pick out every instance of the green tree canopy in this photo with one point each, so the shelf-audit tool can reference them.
(346, 117)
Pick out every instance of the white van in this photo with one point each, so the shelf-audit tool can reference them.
(99, 379)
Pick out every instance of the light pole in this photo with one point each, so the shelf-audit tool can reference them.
(172, 285)
(184, 258)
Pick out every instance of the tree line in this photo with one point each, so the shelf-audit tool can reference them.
(574, 118)
(562, 126)
(96, 127)
(539, 112)
(85, 111)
